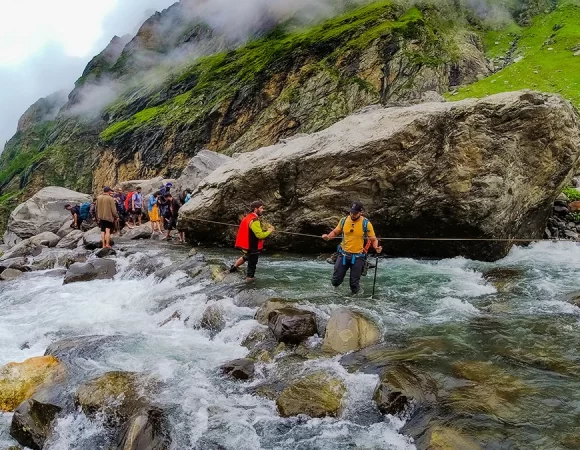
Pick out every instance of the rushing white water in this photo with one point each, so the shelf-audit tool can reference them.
(37, 310)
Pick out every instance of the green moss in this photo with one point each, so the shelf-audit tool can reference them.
(572, 194)
(547, 46)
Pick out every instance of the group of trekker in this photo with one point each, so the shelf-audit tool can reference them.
(112, 210)
(358, 235)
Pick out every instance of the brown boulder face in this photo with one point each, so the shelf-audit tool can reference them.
(574, 206)
(401, 386)
(263, 312)
(292, 325)
(19, 381)
(148, 429)
(348, 331)
(115, 394)
(469, 169)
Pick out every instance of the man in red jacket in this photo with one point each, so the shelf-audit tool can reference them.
(250, 239)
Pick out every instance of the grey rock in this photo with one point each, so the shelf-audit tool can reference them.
(31, 423)
(98, 269)
(44, 211)
(71, 240)
(46, 238)
(198, 168)
(241, 369)
(10, 274)
(65, 229)
(568, 233)
(24, 248)
(563, 203)
(92, 239)
(435, 179)
(562, 210)
(140, 232)
(148, 187)
(104, 252)
(11, 239)
(292, 325)
(15, 263)
(194, 267)
(561, 198)
(213, 318)
(432, 96)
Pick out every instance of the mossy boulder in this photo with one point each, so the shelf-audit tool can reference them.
(117, 395)
(315, 395)
(401, 387)
(348, 331)
(269, 306)
(19, 381)
(446, 438)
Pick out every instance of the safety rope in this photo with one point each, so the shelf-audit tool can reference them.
(402, 238)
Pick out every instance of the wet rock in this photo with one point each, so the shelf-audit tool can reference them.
(56, 273)
(175, 316)
(81, 347)
(240, 369)
(71, 240)
(99, 269)
(260, 340)
(292, 325)
(503, 278)
(349, 330)
(44, 211)
(401, 387)
(23, 249)
(263, 313)
(140, 232)
(213, 318)
(487, 199)
(194, 267)
(116, 395)
(574, 298)
(316, 395)
(148, 429)
(253, 299)
(19, 381)
(10, 274)
(440, 437)
(104, 252)
(31, 423)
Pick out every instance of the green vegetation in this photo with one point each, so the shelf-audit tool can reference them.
(548, 47)
(213, 79)
(572, 194)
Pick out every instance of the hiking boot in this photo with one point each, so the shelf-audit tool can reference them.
(233, 269)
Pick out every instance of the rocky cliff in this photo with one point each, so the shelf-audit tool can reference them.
(471, 169)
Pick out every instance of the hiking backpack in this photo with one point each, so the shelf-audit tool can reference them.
(84, 211)
(128, 200)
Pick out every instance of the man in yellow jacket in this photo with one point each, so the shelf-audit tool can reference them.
(352, 251)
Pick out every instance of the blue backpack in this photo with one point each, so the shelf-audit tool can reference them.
(85, 211)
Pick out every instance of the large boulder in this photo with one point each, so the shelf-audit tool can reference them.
(92, 239)
(115, 395)
(140, 232)
(316, 395)
(468, 169)
(348, 331)
(96, 269)
(10, 274)
(19, 381)
(31, 423)
(292, 325)
(198, 168)
(44, 211)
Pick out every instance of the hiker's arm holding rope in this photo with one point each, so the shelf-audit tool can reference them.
(375, 243)
(334, 233)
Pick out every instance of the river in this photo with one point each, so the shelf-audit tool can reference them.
(434, 313)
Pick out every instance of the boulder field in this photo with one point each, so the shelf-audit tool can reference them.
(488, 168)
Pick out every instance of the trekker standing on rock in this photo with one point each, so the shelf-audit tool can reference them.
(352, 251)
(153, 209)
(137, 206)
(250, 239)
(106, 215)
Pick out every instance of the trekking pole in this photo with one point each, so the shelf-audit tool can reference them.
(375, 280)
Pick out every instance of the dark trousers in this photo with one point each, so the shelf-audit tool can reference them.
(252, 259)
(340, 270)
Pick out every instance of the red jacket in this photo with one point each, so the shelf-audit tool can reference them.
(246, 240)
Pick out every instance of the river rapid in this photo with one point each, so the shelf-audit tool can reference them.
(515, 325)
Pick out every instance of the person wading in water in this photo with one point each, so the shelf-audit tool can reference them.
(352, 251)
(106, 215)
(250, 239)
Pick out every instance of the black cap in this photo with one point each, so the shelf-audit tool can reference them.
(256, 204)
(107, 189)
(357, 207)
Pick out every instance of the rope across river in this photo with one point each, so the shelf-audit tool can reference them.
(434, 239)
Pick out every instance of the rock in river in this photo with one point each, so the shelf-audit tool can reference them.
(241, 369)
(292, 325)
(19, 381)
(96, 269)
(32, 421)
(469, 169)
(316, 395)
(148, 429)
(348, 330)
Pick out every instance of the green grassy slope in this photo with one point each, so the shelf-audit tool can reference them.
(548, 48)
